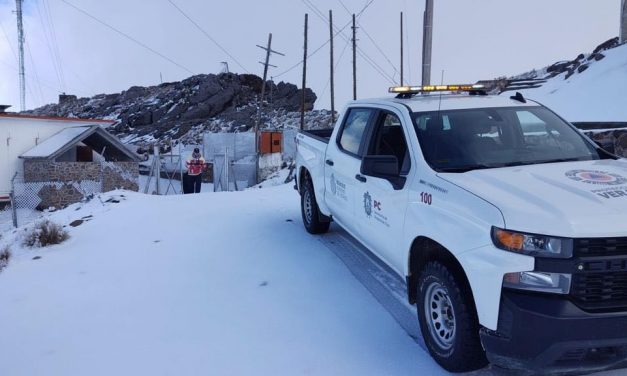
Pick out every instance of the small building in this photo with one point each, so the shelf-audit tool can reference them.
(19, 133)
(77, 161)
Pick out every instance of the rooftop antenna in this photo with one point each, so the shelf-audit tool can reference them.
(20, 42)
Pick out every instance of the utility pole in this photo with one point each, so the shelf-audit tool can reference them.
(302, 103)
(20, 42)
(354, 27)
(332, 79)
(623, 22)
(427, 40)
(266, 64)
(401, 48)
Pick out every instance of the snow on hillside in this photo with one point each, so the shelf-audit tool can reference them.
(207, 284)
(598, 93)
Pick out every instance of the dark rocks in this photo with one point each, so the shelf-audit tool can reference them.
(171, 109)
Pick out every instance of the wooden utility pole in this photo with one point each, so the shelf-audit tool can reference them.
(623, 22)
(354, 59)
(302, 104)
(266, 64)
(332, 79)
(427, 40)
(401, 48)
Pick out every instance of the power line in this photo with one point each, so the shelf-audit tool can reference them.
(362, 54)
(335, 68)
(207, 35)
(371, 39)
(49, 44)
(8, 41)
(32, 63)
(129, 37)
(55, 43)
(325, 43)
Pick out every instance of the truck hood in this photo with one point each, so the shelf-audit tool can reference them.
(571, 199)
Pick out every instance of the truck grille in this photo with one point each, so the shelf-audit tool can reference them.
(600, 247)
(600, 291)
(602, 286)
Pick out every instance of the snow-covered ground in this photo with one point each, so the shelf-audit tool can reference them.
(223, 284)
(596, 94)
(208, 284)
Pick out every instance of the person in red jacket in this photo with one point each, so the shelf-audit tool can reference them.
(195, 166)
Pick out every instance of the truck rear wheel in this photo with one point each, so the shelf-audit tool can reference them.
(448, 320)
(313, 220)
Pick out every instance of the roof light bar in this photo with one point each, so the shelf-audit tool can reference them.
(432, 88)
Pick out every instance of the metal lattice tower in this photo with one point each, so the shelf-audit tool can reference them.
(20, 42)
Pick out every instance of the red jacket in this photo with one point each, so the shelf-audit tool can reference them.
(195, 166)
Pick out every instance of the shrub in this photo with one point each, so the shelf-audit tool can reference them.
(5, 255)
(45, 233)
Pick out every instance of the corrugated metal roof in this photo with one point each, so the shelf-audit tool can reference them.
(68, 137)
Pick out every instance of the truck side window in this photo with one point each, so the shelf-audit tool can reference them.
(353, 130)
(389, 139)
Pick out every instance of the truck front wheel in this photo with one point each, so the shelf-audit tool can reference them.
(312, 218)
(448, 320)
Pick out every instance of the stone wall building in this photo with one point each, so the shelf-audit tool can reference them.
(78, 161)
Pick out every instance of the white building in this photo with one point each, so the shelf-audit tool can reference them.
(19, 133)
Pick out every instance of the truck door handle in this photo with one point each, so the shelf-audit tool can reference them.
(329, 162)
(361, 178)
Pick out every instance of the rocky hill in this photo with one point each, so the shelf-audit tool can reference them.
(184, 110)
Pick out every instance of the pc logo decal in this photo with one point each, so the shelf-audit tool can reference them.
(368, 204)
(596, 177)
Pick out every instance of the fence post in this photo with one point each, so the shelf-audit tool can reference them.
(13, 208)
(157, 158)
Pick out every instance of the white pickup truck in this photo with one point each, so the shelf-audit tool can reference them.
(508, 225)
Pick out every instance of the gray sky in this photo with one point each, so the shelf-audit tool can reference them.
(478, 39)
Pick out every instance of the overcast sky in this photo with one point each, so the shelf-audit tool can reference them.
(67, 51)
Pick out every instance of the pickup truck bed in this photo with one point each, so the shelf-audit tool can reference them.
(323, 135)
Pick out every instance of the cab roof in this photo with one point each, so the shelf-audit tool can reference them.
(432, 102)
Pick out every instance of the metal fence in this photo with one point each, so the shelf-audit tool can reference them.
(233, 158)
(28, 199)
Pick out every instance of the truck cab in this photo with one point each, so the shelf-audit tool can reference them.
(507, 223)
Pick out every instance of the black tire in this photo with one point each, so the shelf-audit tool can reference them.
(448, 320)
(314, 221)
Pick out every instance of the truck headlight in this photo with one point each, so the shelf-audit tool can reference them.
(532, 245)
(557, 283)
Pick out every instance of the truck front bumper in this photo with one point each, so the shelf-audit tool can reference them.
(549, 334)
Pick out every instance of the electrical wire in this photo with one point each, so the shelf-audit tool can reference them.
(55, 43)
(335, 68)
(125, 35)
(361, 53)
(46, 32)
(207, 35)
(372, 40)
(32, 63)
(9, 42)
(324, 44)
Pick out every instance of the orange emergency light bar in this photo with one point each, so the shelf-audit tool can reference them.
(432, 88)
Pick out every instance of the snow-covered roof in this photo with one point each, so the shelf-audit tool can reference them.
(69, 137)
(12, 115)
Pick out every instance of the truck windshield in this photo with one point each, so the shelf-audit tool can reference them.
(463, 140)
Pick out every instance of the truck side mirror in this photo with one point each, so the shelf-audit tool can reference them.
(380, 166)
